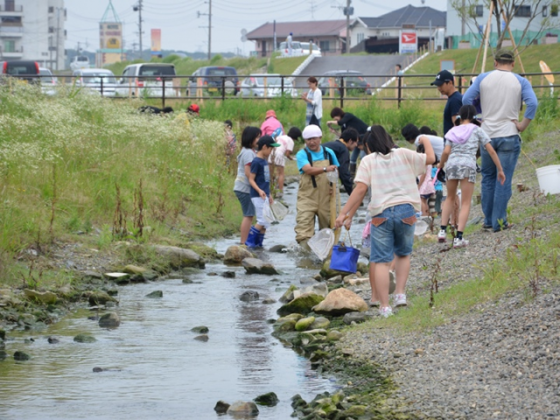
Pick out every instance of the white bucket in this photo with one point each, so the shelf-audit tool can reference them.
(549, 179)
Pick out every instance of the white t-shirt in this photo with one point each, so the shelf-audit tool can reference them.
(392, 178)
(286, 143)
(437, 144)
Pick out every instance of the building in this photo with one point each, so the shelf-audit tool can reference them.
(33, 30)
(111, 48)
(329, 35)
(381, 34)
(540, 18)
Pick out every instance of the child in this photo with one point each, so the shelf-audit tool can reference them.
(242, 188)
(281, 153)
(426, 188)
(461, 144)
(259, 178)
(391, 174)
(231, 140)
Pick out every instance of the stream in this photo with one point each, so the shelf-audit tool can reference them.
(153, 366)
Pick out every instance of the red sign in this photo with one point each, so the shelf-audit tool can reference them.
(408, 37)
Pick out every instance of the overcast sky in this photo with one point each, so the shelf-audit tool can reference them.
(182, 30)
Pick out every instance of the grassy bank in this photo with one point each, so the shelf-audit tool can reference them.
(79, 168)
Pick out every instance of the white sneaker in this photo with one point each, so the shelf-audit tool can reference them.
(399, 300)
(386, 312)
(460, 243)
(442, 236)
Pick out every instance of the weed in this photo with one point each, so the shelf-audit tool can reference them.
(138, 210)
(434, 284)
(119, 218)
(53, 204)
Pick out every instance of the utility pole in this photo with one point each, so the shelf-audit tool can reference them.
(209, 29)
(198, 14)
(57, 34)
(138, 8)
(348, 11)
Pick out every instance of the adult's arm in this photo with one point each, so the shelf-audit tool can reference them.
(344, 120)
(313, 170)
(429, 150)
(344, 174)
(530, 99)
(474, 90)
(352, 204)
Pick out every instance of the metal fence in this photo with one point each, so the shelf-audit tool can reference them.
(339, 89)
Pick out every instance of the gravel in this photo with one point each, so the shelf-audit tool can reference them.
(501, 360)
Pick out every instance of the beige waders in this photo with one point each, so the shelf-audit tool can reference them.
(313, 200)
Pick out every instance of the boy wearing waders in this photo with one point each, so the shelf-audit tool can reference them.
(259, 178)
(313, 200)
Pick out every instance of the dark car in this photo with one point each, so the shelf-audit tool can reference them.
(354, 82)
(211, 78)
(22, 69)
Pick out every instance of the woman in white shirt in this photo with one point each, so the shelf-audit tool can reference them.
(314, 99)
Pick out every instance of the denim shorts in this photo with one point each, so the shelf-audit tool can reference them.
(392, 233)
(246, 204)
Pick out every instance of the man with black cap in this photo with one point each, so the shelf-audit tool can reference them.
(502, 94)
(445, 83)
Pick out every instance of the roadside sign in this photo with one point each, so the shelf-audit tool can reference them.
(546, 69)
(408, 41)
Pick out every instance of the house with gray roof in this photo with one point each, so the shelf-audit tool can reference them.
(381, 34)
(329, 35)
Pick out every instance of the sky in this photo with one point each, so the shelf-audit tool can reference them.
(183, 30)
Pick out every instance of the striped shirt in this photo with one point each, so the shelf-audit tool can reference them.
(392, 178)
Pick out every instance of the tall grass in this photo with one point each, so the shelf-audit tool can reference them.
(62, 160)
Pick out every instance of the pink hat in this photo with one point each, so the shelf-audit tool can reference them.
(270, 113)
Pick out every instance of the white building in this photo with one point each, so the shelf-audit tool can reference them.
(381, 34)
(545, 19)
(33, 30)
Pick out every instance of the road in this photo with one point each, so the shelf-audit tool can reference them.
(366, 64)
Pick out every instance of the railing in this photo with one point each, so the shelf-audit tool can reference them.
(14, 8)
(397, 88)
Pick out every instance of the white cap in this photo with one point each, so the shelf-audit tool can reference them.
(312, 131)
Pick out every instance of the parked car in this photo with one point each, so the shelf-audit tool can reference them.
(79, 62)
(22, 69)
(211, 78)
(315, 50)
(48, 81)
(354, 82)
(297, 50)
(98, 80)
(254, 85)
(147, 79)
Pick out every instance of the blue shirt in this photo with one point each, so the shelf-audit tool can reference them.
(259, 167)
(452, 107)
(437, 184)
(302, 159)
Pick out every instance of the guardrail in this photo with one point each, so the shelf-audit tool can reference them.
(391, 87)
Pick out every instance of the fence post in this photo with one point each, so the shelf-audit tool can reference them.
(102, 85)
(342, 91)
(223, 88)
(282, 85)
(460, 87)
(399, 91)
(163, 91)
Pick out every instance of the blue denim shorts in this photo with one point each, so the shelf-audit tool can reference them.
(246, 204)
(392, 233)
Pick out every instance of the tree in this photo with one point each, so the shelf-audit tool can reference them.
(539, 14)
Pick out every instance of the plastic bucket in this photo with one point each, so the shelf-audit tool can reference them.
(549, 179)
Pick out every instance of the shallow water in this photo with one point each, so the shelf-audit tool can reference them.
(155, 367)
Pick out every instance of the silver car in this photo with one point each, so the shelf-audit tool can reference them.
(102, 81)
(254, 85)
(48, 81)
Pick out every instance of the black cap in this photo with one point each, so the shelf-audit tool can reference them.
(267, 141)
(442, 77)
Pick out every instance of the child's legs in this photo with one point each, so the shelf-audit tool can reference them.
(280, 172)
(374, 297)
(262, 223)
(424, 206)
(381, 255)
(467, 189)
(449, 201)
(404, 240)
(248, 210)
